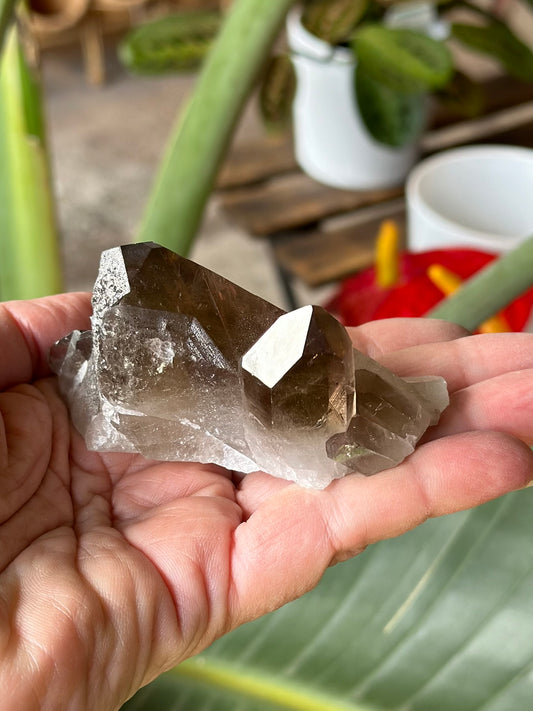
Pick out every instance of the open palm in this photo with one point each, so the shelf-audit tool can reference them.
(114, 568)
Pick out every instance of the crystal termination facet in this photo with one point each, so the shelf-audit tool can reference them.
(183, 365)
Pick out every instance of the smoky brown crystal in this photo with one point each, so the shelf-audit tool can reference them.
(181, 364)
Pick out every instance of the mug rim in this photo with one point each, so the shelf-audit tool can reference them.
(455, 155)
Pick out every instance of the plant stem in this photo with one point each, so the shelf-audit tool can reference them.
(491, 290)
(6, 12)
(203, 133)
(29, 250)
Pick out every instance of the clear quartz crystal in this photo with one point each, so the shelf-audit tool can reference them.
(181, 364)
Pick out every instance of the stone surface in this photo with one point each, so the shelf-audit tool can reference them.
(181, 364)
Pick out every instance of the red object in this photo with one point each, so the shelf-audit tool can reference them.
(360, 299)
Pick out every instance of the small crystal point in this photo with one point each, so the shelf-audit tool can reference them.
(181, 364)
(298, 386)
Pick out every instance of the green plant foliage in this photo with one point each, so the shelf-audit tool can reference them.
(438, 619)
(392, 118)
(173, 43)
(29, 251)
(277, 92)
(333, 20)
(497, 41)
(462, 96)
(404, 60)
(6, 13)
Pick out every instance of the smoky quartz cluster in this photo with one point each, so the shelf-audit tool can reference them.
(181, 364)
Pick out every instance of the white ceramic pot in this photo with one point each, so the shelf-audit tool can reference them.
(332, 143)
(475, 196)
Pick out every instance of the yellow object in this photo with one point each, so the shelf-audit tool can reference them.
(387, 254)
(495, 324)
(444, 279)
(448, 282)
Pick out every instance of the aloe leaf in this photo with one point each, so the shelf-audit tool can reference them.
(205, 128)
(6, 13)
(391, 118)
(404, 60)
(438, 619)
(30, 263)
(497, 41)
(277, 92)
(333, 20)
(490, 290)
(174, 43)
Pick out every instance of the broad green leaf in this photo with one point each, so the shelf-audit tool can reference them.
(404, 60)
(391, 118)
(438, 619)
(29, 250)
(174, 43)
(497, 41)
(277, 92)
(333, 20)
(6, 13)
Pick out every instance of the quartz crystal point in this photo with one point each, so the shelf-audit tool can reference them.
(181, 364)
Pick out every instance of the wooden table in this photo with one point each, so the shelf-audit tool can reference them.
(320, 234)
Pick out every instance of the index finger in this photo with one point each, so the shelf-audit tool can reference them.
(29, 328)
(377, 338)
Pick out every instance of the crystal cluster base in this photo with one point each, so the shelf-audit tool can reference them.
(183, 365)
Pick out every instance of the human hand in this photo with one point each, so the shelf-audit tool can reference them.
(114, 568)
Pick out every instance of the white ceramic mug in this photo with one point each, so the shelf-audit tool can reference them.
(477, 196)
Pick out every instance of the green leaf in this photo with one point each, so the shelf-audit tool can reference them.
(497, 41)
(7, 8)
(277, 92)
(30, 263)
(489, 290)
(204, 131)
(333, 20)
(404, 60)
(174, 43)
(438, 619)
(463, 96)
(391, 118)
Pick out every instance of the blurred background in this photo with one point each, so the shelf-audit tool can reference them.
(108, 128)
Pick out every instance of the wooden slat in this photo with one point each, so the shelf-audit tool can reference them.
(293, 201)
(518, 136)
(257, 160)
(319, 257)
(501, 93)
(497, 128)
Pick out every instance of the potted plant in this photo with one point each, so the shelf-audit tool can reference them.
(365, 70)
